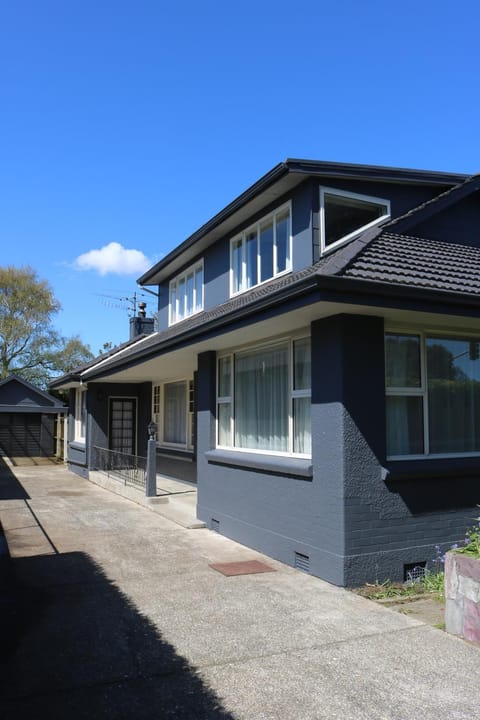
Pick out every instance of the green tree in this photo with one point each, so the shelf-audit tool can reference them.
(29, 344)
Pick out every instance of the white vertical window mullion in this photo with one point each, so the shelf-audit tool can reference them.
(290, 389)
(259, 258)
(275, 267)
(243, 285)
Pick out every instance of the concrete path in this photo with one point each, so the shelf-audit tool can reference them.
(117, 614)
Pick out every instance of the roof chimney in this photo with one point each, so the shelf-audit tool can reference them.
(141, 325)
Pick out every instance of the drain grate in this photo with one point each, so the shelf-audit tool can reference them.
(215, 525)
(302, 562)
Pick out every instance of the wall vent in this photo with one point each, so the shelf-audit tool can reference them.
(414, 572)
(215, 525)
(302, 562)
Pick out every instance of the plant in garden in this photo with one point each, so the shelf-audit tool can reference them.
(471, 543)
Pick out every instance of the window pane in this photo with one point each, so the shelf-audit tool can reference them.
(224, 426)
(224, 377)
(262, 399)
(302, 436)
(189, 295)
(344, 215)
(174, 413)
(181, 299)
(302, 365)
(405, 425)
(251, 258)
(266, 250)
(198, 289)
(173, 303)
(402, 356)
(453, 370)
(237, 265)
(283, 241)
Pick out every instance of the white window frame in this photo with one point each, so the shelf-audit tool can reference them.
(173, 313)
(354, 196)
(422, 390)
(158, 413)
(230, 399)
(243, 238)
(80, 424)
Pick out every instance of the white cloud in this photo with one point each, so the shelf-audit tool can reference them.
(113, 258)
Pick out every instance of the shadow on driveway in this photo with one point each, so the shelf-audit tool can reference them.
(76, 647)
(10, 487)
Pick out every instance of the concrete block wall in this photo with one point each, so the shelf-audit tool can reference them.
(462, 593)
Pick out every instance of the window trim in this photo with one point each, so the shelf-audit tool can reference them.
(80, 423)
(422, 391)
(289, 341)
(175, 282)
(324, 248)
(243, 236)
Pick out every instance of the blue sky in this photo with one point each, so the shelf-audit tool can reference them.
(133, 123)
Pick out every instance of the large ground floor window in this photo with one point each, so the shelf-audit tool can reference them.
(433, 394)
(263, 398)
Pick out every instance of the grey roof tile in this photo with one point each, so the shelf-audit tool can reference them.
(406, 260)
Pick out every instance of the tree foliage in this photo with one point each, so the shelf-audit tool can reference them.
(29, 344)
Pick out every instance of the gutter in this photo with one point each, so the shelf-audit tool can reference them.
(301, 287)
(336, 289)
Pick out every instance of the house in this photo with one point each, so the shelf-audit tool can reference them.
(316, 369)
(27, 419)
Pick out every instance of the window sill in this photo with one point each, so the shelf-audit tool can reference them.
(77, 444)
(274, 464)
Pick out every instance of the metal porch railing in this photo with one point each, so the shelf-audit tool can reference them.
(129, 469)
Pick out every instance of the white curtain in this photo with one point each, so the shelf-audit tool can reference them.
(261, 399)
(175, 413)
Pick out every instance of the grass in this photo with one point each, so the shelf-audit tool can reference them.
(432, 585)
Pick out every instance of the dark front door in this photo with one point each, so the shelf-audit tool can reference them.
(123, 425)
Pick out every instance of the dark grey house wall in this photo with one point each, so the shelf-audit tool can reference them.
(358, 518)
(279, 512)
(458, 223)
(389, 520)
(99, 395)
(77, 452)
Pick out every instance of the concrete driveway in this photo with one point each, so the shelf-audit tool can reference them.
(116, 614)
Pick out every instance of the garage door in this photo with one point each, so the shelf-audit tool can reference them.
(20, 434)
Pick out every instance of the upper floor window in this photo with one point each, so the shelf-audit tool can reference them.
(186, 293)
(261, 252)
(80, 414)
(433, 395)
(344, 215)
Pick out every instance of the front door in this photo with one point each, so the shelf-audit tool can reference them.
(123, 425)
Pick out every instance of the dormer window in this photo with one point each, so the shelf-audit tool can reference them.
(262, 251)
(344, 215)
(186, 294)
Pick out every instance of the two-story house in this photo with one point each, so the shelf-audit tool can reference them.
(316, 369)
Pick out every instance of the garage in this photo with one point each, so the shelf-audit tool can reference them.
(27, 419)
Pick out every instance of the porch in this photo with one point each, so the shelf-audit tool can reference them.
(125, 475)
